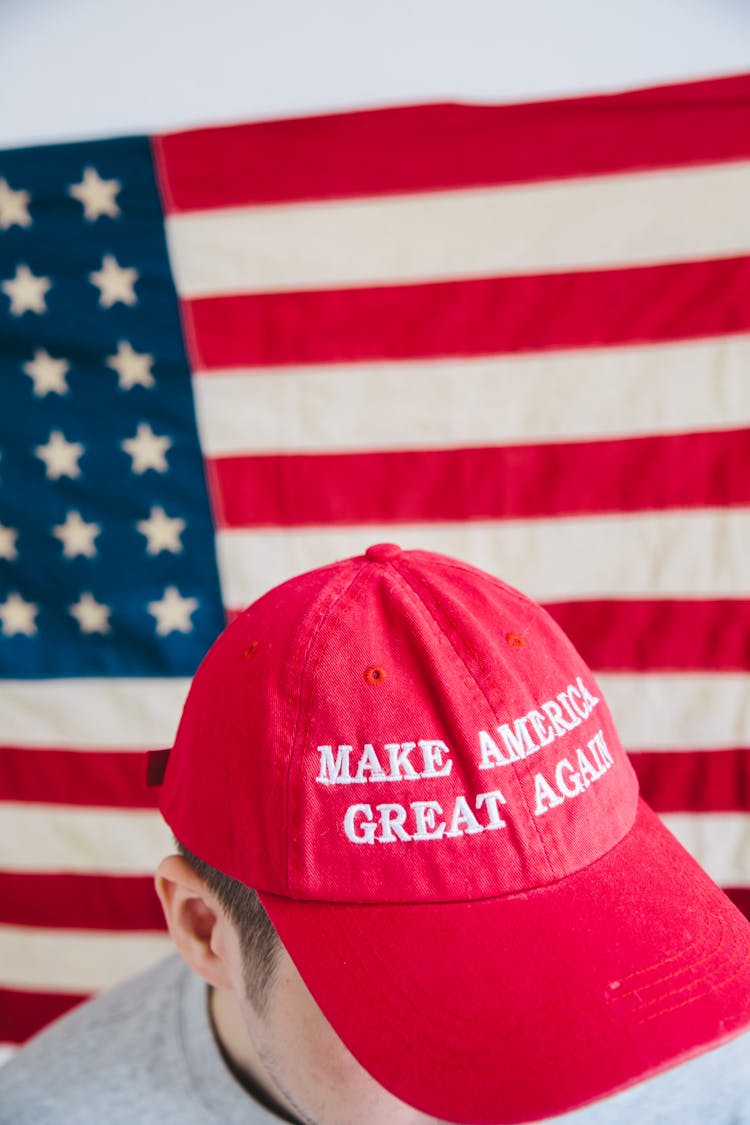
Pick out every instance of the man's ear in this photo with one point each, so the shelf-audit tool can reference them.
(198, 925)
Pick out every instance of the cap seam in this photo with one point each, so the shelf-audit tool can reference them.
(295, 765)
(472, 571)
(437, 626)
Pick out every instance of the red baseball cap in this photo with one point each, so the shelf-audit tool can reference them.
(418, 773)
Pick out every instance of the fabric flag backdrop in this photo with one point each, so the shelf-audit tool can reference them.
(518, 334)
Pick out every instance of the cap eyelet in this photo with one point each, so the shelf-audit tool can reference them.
(250, 650)
(515, 640)
(375, 674)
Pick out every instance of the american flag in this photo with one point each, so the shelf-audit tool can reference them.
(517, 334)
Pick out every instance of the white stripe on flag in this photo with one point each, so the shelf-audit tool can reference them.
(587, 557)
(82, 840)
(679, 711)
(719, 841)
(565, 396)
(666, 216)
(75, 960)
(85, 714)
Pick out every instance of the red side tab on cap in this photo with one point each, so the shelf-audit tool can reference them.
(156, 766)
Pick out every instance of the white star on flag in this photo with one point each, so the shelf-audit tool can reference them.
(48, 373)
(26, 291)
(92, 616)
(60, 456)
(133, 368)
(147, 450)
(8, 536)
(162, 532)
(14, 207)
(18, 616)
(77, 536)
(173, 612)
(114, 282)
(96, 195)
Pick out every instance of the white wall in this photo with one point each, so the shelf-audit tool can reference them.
(86, 68)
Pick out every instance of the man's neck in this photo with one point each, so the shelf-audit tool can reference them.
(241, 1056)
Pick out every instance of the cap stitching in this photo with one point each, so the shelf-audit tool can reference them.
(441, 632)
(722, 945)
(695, 997)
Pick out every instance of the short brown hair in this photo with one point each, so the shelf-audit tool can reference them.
(258, 939)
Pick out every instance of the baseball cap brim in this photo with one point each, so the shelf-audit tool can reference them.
(530, 1005)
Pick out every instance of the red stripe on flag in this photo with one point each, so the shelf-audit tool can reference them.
(621, 635)
(75, 777)
(510, 482)
(80, 902)
(642, 304)
(694, 781)
(433, 147)
(740, 896)
(22, 1014)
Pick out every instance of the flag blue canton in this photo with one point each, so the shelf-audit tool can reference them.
(107, 554)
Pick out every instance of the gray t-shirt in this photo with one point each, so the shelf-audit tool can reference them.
(145, 1053)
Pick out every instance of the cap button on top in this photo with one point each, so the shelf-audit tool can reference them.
(381, 552)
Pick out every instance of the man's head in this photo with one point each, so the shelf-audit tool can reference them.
(273, 1034)
(420, 777)
(258, 941)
